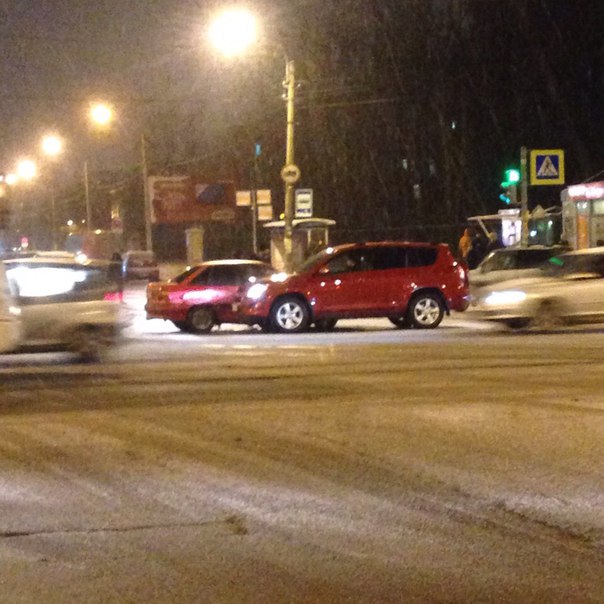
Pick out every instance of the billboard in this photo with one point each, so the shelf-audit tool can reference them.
(182, 199)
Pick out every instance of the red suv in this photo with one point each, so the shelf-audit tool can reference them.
(412, 284)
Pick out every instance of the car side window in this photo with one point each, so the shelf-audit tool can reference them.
(342, 263)
(201, 278)
(258, 271)
(421, 256)
(351, 261)
(226, 275)
(532, 258)
(390, 257)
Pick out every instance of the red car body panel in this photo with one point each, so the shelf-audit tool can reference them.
(367, 293)
(174, 299)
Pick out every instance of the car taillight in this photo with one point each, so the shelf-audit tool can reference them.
(462, 271)
(113, 296)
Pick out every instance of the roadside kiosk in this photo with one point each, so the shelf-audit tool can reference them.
(583, 215)
(310, 235)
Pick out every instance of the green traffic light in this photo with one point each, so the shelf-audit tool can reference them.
(512, 176)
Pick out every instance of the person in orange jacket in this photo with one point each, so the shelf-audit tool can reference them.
(465, 244)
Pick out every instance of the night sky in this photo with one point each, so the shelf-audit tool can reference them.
(408, 112)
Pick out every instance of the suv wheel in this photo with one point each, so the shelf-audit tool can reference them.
(289, 315)
(549, 316)
(92, 343)
(425, 311)
(200, 319)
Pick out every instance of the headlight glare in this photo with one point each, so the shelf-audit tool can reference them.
(505, 298)
(256, 291)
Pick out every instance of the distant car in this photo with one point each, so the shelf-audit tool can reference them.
(204, 295)
(65, 305)
(569, 290)
(412, 284)
(511, 263)
(140, 265)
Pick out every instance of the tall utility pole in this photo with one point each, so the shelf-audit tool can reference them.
(254, 198)
(524, 213)
(290, 172)
(87, 198)
(147, 196)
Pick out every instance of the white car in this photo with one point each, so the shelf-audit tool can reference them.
(570, 290)
(63, 304)
(10, 316)
(509, 263)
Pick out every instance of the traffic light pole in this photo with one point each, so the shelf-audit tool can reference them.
(524, 213)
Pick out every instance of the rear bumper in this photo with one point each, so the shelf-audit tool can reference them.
(171, 314)
(460, 304)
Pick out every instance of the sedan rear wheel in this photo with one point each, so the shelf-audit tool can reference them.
(201, 319)
(182, 325)
(289, 315)
(425, 311)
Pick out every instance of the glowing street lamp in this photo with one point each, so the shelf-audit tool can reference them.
(101, 114)
(27, 169)
(52, 145)
(233, 32)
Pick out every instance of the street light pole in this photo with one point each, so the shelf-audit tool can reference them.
(147, 196)
(524, 213)
(87, 198)
(290, 86)
(53, 216)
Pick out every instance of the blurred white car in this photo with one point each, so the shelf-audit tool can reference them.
(63, 304)
(510, 263)
(569, 290)
(10, 316)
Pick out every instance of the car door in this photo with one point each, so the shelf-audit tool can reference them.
(584, 291)
(218, 284)
(337, 286)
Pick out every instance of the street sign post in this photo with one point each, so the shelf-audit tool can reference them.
(547, 167)
(303, 202)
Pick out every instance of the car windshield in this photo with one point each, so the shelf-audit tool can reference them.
(498, 261)
(180, 278)
(569, 264)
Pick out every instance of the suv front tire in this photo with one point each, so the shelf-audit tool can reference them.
(289, 315)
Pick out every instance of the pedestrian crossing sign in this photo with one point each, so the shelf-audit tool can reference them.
(547, 167)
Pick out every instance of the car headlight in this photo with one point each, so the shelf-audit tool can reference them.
(256, 291)
(505, 298)
(279, 277)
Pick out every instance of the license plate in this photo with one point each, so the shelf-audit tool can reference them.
(235, 306)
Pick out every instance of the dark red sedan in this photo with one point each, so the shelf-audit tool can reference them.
(204, 295)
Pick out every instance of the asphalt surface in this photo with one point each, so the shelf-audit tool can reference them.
(367, 465)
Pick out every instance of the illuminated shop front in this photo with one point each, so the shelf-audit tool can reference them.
(583, 215)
